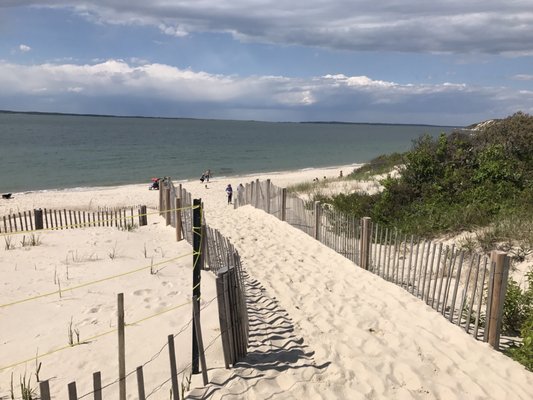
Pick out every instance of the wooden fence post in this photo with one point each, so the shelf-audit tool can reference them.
(168, 206)
(179, 235)
(38, 215)
(143, 218)
(499, 288)
(284, 204)
(365, 243)
(196, 276)
(121, 348)
(161, 189)
(317, 220)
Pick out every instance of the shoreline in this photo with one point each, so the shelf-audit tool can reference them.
(305, 173)
(182, 180)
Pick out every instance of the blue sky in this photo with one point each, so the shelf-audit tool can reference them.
(410, 61)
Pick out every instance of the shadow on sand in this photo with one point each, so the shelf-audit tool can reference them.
(274, 350)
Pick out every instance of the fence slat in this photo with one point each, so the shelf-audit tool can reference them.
(140, 383)
(453, 257)
(97, 385)
(465, 290)
(222, 311)
(173, 368)
(456, 286)
(44, 390)
(415, 266)
(72, 391)
(480, 299)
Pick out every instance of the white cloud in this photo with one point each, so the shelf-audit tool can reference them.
(24, 48)
(173, 30)
(447, 26)
(523, 77)
(116, 87)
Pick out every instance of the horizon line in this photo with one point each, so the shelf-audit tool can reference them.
(219, 119)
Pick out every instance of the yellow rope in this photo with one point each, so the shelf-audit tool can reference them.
(94, 337)
(92, 282)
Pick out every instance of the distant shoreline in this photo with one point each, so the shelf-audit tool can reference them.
(43, 113)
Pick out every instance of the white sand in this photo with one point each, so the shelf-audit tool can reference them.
(320, 327)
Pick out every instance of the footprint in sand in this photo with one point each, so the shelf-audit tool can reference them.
(87, 321)
(93, 310)
(405, 376)
(142, 292)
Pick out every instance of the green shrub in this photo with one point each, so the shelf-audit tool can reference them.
(524, 353)
(461, 181)
(518, 306)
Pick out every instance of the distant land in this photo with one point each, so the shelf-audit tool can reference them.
(214, 119)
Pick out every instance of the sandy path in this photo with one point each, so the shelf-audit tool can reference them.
(376, 340)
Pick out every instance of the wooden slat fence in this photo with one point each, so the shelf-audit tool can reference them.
(123, 217)
(466, 288)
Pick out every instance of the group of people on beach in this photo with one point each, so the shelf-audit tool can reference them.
(205, 176)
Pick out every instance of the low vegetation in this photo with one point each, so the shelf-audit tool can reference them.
(518, 315)
(457, 182)
(478, 181)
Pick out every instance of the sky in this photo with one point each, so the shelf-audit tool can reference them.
(389, 61)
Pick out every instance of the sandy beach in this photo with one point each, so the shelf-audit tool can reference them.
(320, 327)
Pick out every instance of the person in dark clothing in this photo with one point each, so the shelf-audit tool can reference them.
(229, 192)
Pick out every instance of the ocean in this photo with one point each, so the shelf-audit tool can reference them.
(49, 151)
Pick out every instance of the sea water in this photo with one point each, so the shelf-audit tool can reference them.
(48, 151)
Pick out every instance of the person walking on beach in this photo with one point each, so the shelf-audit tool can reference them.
(207, 175)
(229, 192)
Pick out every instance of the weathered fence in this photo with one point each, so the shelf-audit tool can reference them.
(218, 255)
(38, 219)
(466, 288)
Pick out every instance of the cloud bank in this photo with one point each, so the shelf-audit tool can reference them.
(120, 88)
(447, 26)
